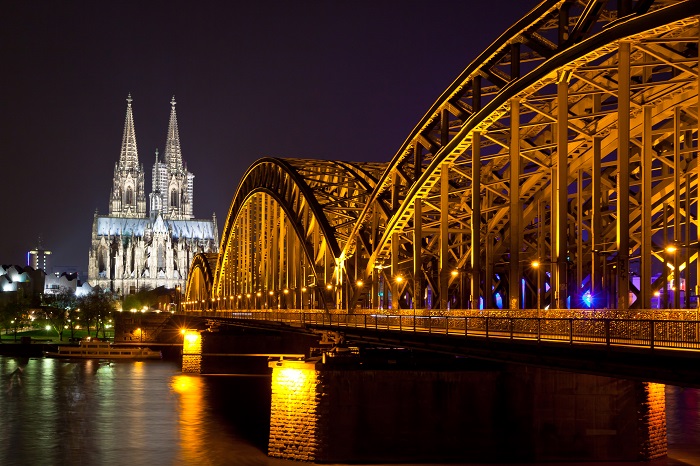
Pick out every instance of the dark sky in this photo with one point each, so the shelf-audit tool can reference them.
(343, 80)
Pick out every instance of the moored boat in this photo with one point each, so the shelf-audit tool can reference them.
(96, 349)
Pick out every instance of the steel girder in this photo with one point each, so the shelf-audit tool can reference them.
(200, 280)
(287, 225)
(570, 142)
(603, 63)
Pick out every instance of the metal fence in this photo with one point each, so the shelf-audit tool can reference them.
(635, 332)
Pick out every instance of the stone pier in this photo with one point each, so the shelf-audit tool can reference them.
(326, 412)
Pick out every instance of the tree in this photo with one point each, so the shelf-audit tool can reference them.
(59, 309)
(15, 313)
(96, 307)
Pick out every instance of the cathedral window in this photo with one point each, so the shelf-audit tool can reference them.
(173, 198)
(129, 198)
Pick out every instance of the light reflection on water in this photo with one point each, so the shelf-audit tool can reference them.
(55, 412)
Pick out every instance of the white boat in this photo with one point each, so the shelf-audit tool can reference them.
(96, 349)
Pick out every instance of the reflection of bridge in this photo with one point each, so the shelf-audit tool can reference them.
(559, 170)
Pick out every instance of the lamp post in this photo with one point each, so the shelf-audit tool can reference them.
(536, 265)
(673, 250)
(459, 274)
(359, 284)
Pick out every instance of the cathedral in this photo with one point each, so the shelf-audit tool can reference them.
(133, 248)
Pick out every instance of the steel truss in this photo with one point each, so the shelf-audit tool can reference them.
(555, 171)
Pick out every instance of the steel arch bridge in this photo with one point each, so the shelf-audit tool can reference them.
(560, 169)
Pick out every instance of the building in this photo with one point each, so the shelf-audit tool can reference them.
(38, 258)
(133, 248)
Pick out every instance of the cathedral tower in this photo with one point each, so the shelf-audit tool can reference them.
(130, 249)
(173, 188)
(128, 198)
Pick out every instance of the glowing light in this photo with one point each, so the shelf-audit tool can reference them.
(399, 279)
(48, 327)
(535, 264)
(192, 342)
(271, 293)
(587, 298)
(360, 283)
(286, 291)
(671, 248)
(329, 287)
(303, 289)
(258, 294)
(454, 273)
(657, 293)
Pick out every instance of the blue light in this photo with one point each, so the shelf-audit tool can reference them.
(498, 300)
(587, 298)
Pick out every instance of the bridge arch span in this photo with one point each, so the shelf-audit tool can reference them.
(200, 279)
(285, 231)
(554, 172)
(487, 198)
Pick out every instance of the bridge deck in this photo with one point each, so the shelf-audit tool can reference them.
(660, 350)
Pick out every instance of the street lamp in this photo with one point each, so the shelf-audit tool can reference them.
(536, 265)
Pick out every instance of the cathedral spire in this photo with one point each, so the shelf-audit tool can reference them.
(128, 198)
(173, 153)
(129, 157)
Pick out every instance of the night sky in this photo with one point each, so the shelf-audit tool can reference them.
(311, 79)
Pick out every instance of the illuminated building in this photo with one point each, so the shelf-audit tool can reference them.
(38, 258)
(134, 249)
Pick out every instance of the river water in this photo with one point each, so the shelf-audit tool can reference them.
(58, 412)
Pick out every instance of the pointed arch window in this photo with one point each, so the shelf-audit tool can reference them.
(129, 198)
(174, 198)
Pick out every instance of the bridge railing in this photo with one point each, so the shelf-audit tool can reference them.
(651, 333)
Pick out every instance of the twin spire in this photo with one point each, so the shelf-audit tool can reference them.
(172, 187)
(129, 157)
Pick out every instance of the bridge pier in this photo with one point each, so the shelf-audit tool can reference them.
(339, 412)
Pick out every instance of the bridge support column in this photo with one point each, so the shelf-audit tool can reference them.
(516, 211)
(646, 256)
(623, 172)
(444, 236)
(417, 254)
(338, 413)
(560, 275)
(476, 221)
(192, 352)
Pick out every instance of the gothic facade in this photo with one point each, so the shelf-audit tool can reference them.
(133, 248)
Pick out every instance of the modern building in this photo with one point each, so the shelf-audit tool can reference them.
(38, 258)
(133, 248)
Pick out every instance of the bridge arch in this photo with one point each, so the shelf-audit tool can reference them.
(200, 279)
(460, 231)
(554, 172)
(285, 231)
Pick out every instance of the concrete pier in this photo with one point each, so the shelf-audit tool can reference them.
(332, 413)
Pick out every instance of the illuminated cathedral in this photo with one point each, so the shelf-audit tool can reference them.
(133, 248)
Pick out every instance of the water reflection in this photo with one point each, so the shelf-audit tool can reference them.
(123, 412)
(55, 412)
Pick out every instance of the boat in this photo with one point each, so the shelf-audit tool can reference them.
(97, 349)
